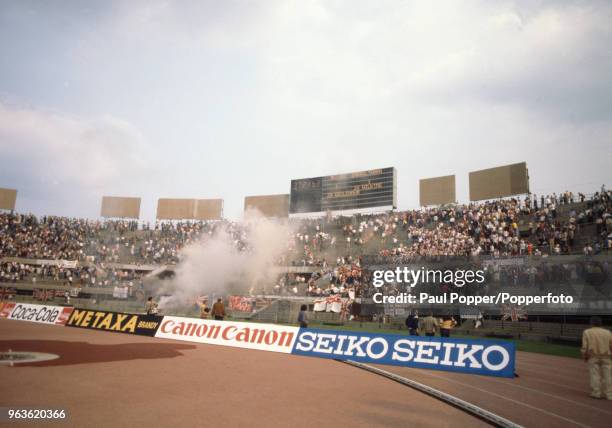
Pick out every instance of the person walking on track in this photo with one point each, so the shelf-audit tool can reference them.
(597, 351)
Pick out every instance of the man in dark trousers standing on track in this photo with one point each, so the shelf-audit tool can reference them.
(218, 310)
(412, 322)
(303, 316)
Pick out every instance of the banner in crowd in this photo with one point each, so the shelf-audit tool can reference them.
(241, 303)
(7, 293)
(43, 314)
(510, 261)
(469, 313)
(328, 304)
(120, 292)
(67, 264)
(265, 337)
(482, 357)
(513, 313)
(44, 294)
(145, 325)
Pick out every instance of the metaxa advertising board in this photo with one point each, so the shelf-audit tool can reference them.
(144, 325)
(482, 357)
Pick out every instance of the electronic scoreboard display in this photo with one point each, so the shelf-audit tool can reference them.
(355, 190)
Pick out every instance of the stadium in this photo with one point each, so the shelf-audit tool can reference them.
(160, 281)
(305, 214)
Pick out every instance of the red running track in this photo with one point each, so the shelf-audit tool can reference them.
(549, 392)
(111, 379)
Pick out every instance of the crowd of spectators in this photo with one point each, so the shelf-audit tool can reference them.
(62, 238)
(343, 279)
(53, 238)
(511, 227)
(534, 225)
(545, 274)
(78, 276)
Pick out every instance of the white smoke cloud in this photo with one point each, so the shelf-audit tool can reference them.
(215, 266)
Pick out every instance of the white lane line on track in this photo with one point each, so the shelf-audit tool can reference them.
(543, 369)
(547, 370)
(561, 379)
(582, 391)
(548, 394)
(544, 366)
(540, 356)
(463, 405)
(560, 385)
(555, 415)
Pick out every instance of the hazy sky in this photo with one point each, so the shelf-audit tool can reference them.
(226, 99)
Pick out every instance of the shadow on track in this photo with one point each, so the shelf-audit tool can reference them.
(71, 353)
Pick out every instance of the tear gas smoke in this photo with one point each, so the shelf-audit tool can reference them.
(216, 265)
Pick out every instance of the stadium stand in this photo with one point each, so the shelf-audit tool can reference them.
(325, 256)
(546, 226)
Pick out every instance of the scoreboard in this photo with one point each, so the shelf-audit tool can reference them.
(306, 195)
(355, 190)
